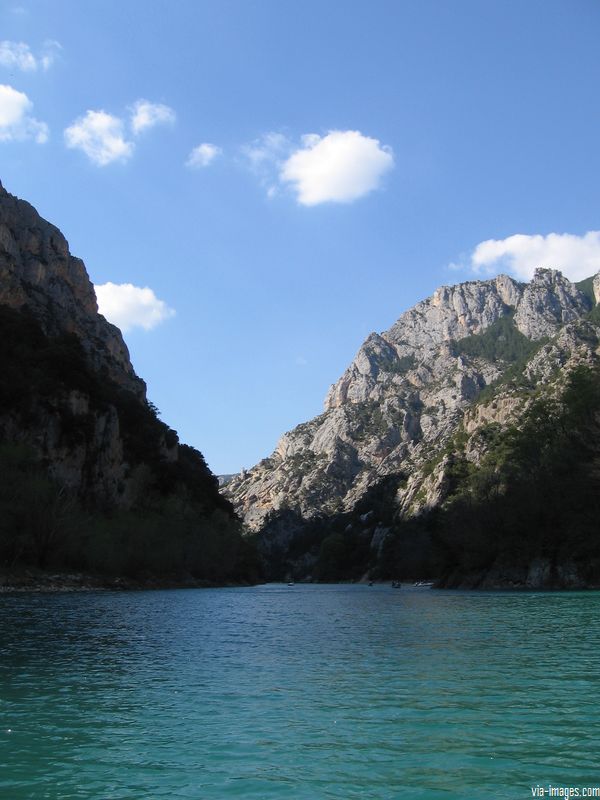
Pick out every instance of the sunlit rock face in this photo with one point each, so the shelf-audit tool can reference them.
(410, 388)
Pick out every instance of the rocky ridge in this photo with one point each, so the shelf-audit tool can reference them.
(38, 273)
(411, 388)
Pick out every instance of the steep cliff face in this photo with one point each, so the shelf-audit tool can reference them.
(55, 305)
(91, 477)
(38, 273)
(408, 389)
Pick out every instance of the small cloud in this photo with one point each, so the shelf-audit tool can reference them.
(577, 257)
(203, 155)
(268, 149)
(50, 53)
(18, 55)
(16, 122)
(145, 114)
(100, 136)
(128, 306)
(301, 361)
(339, 167)
(265, 156)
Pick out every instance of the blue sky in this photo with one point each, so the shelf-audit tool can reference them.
(353, 156)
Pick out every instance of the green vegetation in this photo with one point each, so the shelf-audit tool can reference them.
(398, 365)
(586, 287)
(594, 315)
(338, 546)
(501, 341)
(367, 419)
(176, 523)
(535, 494)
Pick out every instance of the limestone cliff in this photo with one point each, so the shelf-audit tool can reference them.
(409, 389)
(50, 288)
(91, 477)
(38, 273)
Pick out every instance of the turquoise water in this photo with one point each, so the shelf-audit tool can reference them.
(298, 692)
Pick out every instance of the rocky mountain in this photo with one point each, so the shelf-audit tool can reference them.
(39, 274)
(91, 477)
(468, 359)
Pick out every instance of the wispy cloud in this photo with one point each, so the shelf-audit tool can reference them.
(265, 157)
(18, 55)
(128, 306)
(145, 114)
(203, 155)
(16, 121)
(270, 148)
(577, 257)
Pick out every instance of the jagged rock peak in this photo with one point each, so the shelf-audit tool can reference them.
(408, 388)
(37, 272)
(549, 301)
(540, 309)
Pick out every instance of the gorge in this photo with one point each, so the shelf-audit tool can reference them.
(461, 445)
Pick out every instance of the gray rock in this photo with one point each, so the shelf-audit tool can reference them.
(409, 390)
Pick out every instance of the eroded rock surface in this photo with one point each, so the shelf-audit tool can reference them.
(409, 389)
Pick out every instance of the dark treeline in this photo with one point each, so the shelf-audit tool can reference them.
(175, 523)
(534, 495)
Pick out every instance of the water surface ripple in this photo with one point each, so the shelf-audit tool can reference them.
(297, 692)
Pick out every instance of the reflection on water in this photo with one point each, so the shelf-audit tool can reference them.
(297, 692)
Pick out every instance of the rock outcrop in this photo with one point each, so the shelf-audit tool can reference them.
(38, 273)
(409, 389)
(78, 399)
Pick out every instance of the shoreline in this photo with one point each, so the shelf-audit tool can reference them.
(54, 581)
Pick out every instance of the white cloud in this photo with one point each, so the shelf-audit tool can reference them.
(128, 306)
(577, 257)
(339, 167)
(18, 55)
(16, 122)
(203, 155)
(100, 136)
(145, 114)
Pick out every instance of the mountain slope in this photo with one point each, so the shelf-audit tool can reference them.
(92, 478)
(471, 357)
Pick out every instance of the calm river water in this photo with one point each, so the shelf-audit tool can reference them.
(298, 692)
